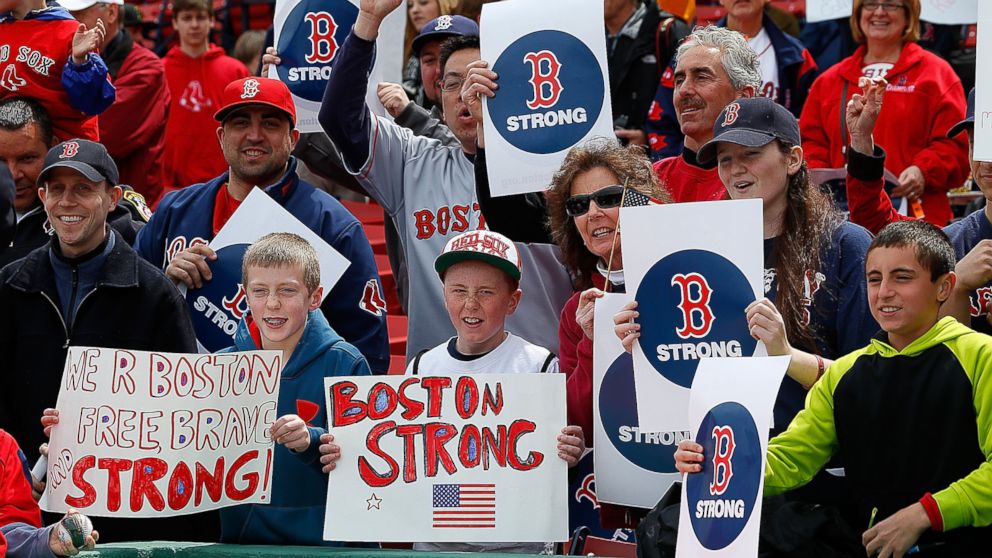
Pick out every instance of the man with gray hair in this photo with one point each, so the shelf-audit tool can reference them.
(713, 67)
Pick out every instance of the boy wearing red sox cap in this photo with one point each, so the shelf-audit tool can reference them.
(480, 273)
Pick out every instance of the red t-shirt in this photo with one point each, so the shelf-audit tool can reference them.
(224, 206)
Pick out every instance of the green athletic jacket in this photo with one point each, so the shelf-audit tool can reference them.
(907, 424)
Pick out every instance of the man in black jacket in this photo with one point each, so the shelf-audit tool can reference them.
(25, 137)
(86, 287)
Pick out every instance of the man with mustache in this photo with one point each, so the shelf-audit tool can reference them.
(714, 66)
(257, 133)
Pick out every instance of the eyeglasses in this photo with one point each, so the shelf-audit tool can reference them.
(451, 84)
(886, 6)
(605, 198)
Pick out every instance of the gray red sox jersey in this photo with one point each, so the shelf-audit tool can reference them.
(429, 191)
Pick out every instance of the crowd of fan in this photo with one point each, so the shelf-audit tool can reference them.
(119, 167)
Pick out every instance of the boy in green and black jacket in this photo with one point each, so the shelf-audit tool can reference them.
(911, 412)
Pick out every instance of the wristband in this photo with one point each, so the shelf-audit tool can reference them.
(933, 512)
(821, 367)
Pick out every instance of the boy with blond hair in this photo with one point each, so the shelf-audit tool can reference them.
(281, 276)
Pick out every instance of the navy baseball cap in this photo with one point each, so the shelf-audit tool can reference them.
(752, 122)
(444, 27)
(86, 157)
(969, 119)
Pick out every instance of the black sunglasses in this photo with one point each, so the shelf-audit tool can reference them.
(605, 198)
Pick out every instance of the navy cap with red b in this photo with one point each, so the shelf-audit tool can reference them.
(256, 91)
(88, 158)
(443, 27)
(752, 122)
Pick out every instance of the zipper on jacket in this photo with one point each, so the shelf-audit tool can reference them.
(58, 312)
(71, 307)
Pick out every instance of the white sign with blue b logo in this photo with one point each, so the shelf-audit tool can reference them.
(730, 412)
(634, 466)
(553, 93)
(693, 268)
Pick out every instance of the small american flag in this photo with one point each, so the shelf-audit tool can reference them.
(463, 506)
(633, 198)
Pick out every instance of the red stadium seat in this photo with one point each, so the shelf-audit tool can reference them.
(397, 327)
(388, 285)
(397, 365)
(367, 213)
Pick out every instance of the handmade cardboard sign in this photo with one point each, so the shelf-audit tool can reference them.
(145, 434)
(634, 467)
(691, 290)
(730, 411)
(218, 306)
(447, 459)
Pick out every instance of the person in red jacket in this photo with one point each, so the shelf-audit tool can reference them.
(584, 212)
(133, 128)
(46, 55)
(197, 72)
(924, 99)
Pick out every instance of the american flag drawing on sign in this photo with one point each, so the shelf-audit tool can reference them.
(633, 198)
(463, 506)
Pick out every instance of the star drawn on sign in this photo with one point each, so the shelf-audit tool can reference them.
(374, 502)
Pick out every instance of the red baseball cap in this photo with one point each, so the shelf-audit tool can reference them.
(256, 91)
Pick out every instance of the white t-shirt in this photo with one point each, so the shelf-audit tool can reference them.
(512, 356)
(761, 44)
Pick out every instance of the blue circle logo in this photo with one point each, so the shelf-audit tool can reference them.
(722, 496)
(692, 306)
(218, 306)
(653, 451)
(310, 39)
(551, 92)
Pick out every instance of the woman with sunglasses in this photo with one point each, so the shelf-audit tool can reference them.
(583, 208)
(816, 307)
(924, 99)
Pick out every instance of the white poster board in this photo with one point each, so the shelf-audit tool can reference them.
(447, 459)
(553, 88)
(825, 10)
(218, 306)
(983, 94)
(949, 12)
(634, 467)
(692, 285)
(144, 434)
(308, 34)
(730, 411)
(944, 12)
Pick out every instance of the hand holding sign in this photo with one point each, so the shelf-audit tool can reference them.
(190, 266)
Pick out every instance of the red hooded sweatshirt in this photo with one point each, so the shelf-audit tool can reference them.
(192, 152)
(923, 100)
(16, 503)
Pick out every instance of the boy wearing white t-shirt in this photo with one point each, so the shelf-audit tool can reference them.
(480, 271)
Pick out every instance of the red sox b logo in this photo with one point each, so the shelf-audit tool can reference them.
(723, 471)
(731, 115)
(545, 68)
(322, 43)
(238, 304)
(69, 150)
(250, 89)
(697, 316)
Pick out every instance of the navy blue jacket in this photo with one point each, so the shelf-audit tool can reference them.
(295, 514)
(185, 217)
